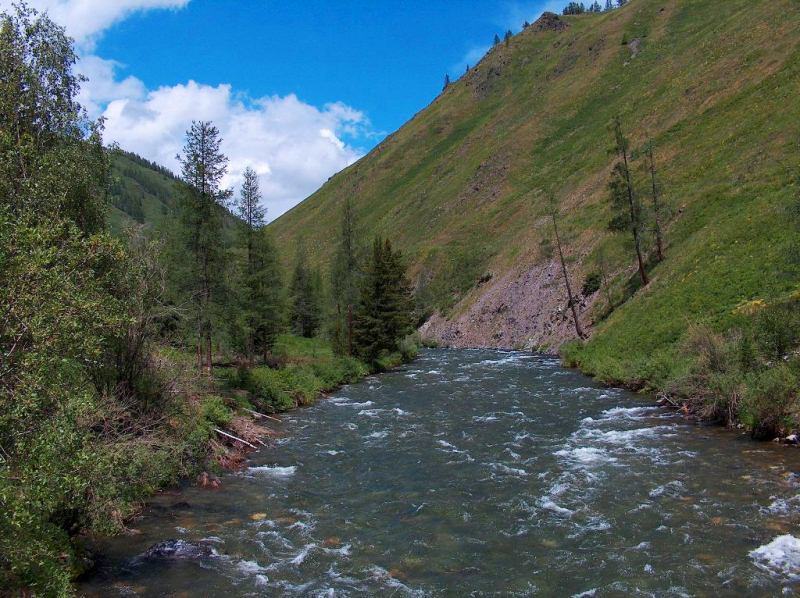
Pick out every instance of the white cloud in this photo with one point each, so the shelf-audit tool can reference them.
(102, 85)
(292, 145)
(85, 20)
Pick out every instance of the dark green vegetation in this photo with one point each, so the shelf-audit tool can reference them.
(710, 86)
(131, 334)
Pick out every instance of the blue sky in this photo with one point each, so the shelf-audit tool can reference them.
(387, 59)
(298, 88)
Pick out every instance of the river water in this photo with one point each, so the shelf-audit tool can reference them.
(478, 473)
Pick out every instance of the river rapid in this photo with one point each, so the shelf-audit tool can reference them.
(477, 472)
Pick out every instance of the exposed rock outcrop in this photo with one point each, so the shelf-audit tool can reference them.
(527, 308)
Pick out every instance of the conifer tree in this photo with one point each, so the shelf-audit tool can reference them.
(624, 201)
(507, 37)
(385, 311)
(496, 39)
(446, 82)
(255, 299)
(572, 302)
(345, 280)
(202, 200)
(305, 294)
(266, 288)
(656, 199)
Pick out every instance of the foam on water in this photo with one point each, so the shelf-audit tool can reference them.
(780, 557)
(273, 470)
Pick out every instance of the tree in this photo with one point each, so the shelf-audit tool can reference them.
(609, 5)
(574, 8)
(554, 216)
(266, 294)
(54, 165)
(345, 280)
(305, 293)
(624, 201)
(385, 311)
(202, 201)
(252, 289)
(525, 25)
(496, 40)
(507, 37)
(656, 198)
(446, 82)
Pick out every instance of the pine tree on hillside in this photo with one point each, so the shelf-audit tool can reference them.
(625, 204)
(385, 312)
(655, 190)
(507, 37)
(496, 39)
(305, 294)
(202, 200)
(571, 300)
(574, 8)
(609, 5)
(446, 82)
(345, 280)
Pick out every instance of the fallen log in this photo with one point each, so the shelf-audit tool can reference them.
(223, 433)
(256, 413)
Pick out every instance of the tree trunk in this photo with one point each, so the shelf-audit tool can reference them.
(349, 329)
(634, 220)
(578, 328)
(656, 206)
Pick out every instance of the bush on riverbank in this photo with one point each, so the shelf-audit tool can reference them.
(751, 374)
(309, 368)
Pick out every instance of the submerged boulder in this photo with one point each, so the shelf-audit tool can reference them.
(179, 549)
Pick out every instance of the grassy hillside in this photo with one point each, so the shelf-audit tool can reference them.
(460, 187)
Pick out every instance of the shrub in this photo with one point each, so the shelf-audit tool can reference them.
(215, 411)
(592, 283)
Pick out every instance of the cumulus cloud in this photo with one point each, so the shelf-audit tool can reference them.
(292, 145)
(85, 20)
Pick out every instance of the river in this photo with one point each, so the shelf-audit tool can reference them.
(478, 473)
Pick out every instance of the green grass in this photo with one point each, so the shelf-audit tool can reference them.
(714, 85)
(309, 368)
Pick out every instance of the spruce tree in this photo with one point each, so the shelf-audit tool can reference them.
(446, 82)
(305, 294)
(496, 39)
(624, 201)
(202, 201)
(385, 311)
(266, 288)
(507, 37)
(345, 280)
(249, 209)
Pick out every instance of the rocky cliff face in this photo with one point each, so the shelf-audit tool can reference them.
(525, 308)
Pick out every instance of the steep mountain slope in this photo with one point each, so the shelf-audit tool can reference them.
(461, 187)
